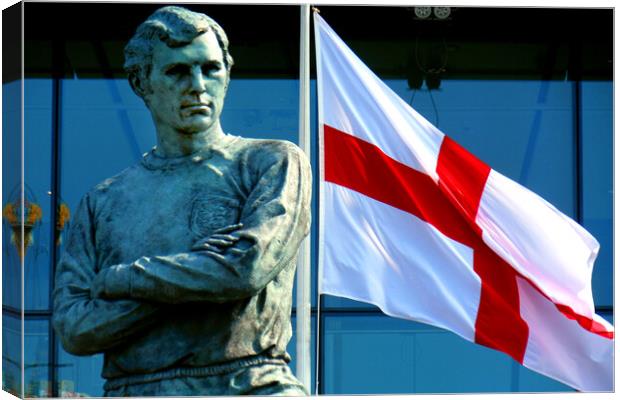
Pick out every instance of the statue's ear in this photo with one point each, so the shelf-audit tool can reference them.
(137, 84)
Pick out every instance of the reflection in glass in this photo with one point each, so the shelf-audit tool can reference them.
(79, 376)
(36, 358)
(262, 108)
(102, 134)
(11, 354)
(378, 354)
(11, 179)
(597, 191)
(63, 216)
(37, 176)
(22, 235)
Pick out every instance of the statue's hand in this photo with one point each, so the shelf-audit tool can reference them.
(219, 240)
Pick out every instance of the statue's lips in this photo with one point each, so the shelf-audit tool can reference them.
(196, 108)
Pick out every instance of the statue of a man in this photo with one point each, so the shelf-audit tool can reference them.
(180, 269)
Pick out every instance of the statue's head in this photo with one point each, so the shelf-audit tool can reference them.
(178, 63)
(176, 27)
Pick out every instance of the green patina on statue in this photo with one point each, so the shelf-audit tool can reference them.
(180, 269)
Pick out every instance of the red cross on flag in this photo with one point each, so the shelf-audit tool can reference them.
(414, 224)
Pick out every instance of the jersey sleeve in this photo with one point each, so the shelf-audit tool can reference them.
(84, 324)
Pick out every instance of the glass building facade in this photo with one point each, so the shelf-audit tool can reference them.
(536, 105)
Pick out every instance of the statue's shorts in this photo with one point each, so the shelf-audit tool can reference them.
(272, 377)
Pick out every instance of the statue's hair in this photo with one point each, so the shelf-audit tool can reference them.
(175, 26)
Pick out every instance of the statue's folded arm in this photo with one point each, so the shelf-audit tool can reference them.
(273, 221)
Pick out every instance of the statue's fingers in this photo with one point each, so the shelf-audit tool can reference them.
(218, 256)
(206, 246)
(229, 228)
(236, 251)
(219, 242)
(221, 236)
(199, 245)
(210, 247)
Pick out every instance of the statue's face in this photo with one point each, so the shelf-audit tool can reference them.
(188, 85)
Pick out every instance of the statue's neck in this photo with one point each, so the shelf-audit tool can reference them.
(176, 144)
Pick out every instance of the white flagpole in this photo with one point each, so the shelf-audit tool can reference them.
(303, 362)
(321, 178)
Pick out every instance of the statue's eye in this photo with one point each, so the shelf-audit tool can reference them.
(176, 70)
(210, 68)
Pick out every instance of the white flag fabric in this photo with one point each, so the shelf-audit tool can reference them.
(414, 224)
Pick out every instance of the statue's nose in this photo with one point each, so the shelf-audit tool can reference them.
(198, 83)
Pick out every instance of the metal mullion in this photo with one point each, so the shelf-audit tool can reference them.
(57, 74)
(578, 140)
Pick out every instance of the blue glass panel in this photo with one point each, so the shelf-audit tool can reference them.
(79, 376)
(597, 191)
(37, 167)
(36, 358)
(105, 129)
(378, 354)
(333, 302)
(11, 182)
(11, 354)
(608, 315)
(262, 108)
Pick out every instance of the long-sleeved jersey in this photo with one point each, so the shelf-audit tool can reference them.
(132, 284)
